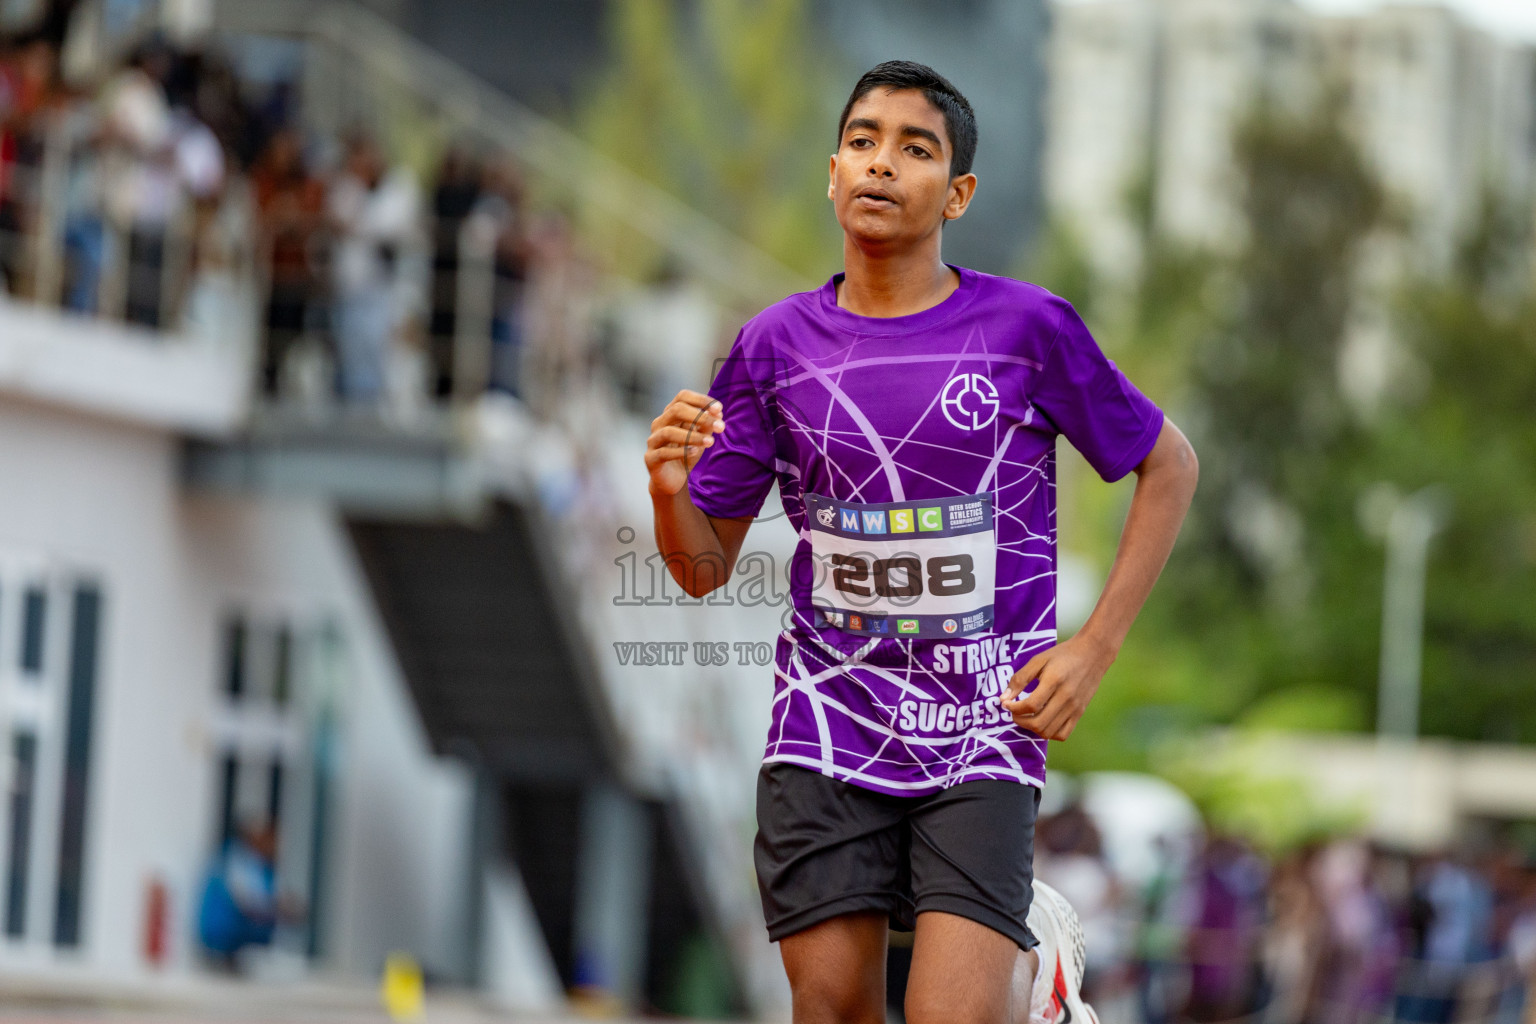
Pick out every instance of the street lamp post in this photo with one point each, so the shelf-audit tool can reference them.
(1406, 524)
(1412, 523)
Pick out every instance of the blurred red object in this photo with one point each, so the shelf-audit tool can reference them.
(156, 920)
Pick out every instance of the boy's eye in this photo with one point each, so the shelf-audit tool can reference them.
(917, 151)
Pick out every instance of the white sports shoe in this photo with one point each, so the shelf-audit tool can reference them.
(1057, 997)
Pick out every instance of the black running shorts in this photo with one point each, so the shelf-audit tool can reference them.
(826, 848)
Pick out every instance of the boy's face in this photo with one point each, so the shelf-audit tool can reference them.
(890, 181)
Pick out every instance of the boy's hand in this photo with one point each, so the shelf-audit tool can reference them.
(1069, 676)
(678, 437)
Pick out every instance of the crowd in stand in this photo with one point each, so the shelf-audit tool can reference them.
(150, 194)
(103, 189)
(366, 269)
(1338, 932)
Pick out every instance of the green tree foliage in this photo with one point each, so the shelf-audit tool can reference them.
(1272, 524)
(721, 103)
(1471, 431)
(1269, 613)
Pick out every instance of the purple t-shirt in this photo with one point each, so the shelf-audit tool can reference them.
(915, 457)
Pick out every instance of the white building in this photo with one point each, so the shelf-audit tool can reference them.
(1144, 94)
(396, 635)
(1442, 110)
(173, 663)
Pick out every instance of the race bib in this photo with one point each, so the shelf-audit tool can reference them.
(922, 569)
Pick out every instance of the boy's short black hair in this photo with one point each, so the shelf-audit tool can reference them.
(959, 119)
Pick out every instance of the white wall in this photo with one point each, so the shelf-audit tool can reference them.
(193, 383)
(400, 831)
(103, 497)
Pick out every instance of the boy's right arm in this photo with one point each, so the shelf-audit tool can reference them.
(700, 550)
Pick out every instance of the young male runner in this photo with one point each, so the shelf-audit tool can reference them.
(908, 411)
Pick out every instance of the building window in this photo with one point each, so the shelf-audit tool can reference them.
(33, 619)
(272, 734)
(48, 696)
(282, 669)
(79, 716)
(229, 774)
(234, 658)
(23, 783)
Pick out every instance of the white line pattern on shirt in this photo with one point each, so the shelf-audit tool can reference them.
(928, 761)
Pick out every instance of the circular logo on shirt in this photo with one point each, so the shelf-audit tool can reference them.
(826, 515)
(950, 625)
(969, 401)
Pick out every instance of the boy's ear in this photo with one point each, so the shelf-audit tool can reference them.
(832, 176)
(961, 189)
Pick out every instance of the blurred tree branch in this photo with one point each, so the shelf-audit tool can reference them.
(722, 104)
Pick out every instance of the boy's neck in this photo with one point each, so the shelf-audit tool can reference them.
(881, 285)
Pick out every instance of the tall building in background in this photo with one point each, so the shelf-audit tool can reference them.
(1442, 109)
(1142, 97)
(1144, 94)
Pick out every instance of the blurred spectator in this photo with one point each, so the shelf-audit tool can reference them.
(9, 88)
(142, 177)
(667, 335)
(560, 317)
(1500, 983)
(1160, 937)
(1356, 921)
(502, 217)
(1455, 909)
(1295, 943)
(275, 108)
(1069, 855)
(199, 158)
(220, 291)
(1389, 886)
(454, 199)
(85, 237)
(1519, 1004)
(1224, 947)
(375, 215)
(200, 180)
(239, 906)
(290, 204)
(205, 83)
(27, 79)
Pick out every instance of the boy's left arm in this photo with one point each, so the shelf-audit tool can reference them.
(1069, 673)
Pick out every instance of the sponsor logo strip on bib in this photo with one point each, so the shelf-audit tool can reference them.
(921, 569)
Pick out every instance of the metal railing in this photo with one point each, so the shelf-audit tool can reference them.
(57, 251)
(366, 64)
(98, 262)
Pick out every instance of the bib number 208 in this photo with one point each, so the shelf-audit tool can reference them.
(948, 575)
